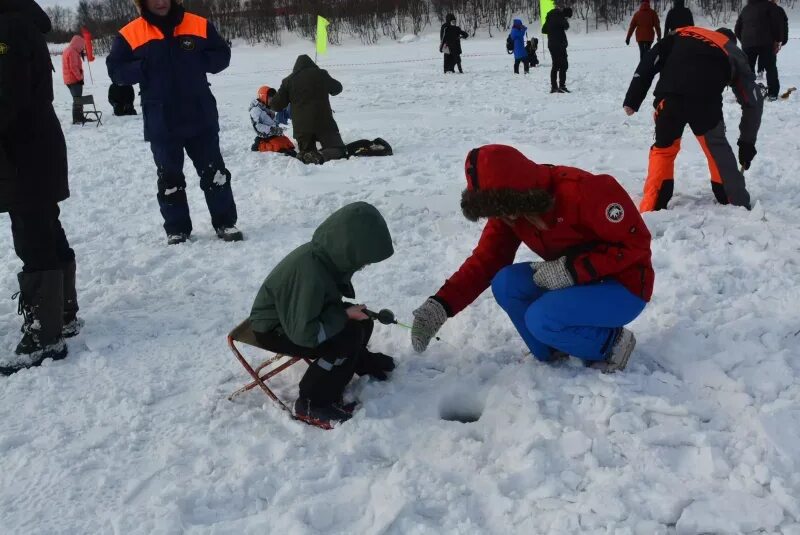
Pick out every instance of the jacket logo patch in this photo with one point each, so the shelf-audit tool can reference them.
(187, 43)
(614, 212)
(3, 48)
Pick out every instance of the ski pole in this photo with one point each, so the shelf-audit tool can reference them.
(386, 317)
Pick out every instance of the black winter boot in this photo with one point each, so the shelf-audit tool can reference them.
(41, 304)
(72, 323)
(376, 365)
(324, 416)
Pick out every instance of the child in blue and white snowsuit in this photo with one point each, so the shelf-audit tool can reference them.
(266, 123)
(518, 31)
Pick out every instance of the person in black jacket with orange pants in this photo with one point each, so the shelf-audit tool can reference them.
(33, 180)
(696, 65)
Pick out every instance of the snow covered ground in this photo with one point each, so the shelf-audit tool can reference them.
(133, 432)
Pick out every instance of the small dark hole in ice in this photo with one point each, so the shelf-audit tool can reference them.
(464, 407)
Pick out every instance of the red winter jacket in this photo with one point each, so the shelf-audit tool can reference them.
(646, 23)
(594, 223)
(71, 61)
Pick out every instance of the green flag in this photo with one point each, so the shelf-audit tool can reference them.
(322, 34)
(545, 7)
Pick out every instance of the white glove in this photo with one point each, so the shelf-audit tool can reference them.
(552, 275)
(428, 319)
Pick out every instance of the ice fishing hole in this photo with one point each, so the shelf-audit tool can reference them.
(461, 406)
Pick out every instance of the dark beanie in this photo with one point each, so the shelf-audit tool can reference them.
(567, 12)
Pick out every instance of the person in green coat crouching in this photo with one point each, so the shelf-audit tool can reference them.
(299, 310)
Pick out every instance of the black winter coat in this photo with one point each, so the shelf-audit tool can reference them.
(678, 17)
(307, 90)
(556, 26)
(451, 35)
(759, 24)
(33, 154)
(785, 25)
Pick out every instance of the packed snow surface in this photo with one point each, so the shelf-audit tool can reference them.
(133, 434)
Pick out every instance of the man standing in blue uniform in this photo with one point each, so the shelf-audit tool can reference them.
(168, 52)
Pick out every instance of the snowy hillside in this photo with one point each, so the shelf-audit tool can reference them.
(133, 434)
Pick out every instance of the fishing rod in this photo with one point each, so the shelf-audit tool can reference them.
(386, 317)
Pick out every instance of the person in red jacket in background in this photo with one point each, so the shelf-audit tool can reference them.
(72, 68)
(595, 276)
(647, 26)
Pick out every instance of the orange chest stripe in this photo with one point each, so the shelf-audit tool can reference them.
(708, 36)
(140, 32)
(192, 25)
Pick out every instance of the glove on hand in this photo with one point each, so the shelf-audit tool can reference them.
(375, 365)
(428, 319)
(747, 151)
(552, 275)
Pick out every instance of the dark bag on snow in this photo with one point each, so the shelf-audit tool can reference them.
(365, 147)
(509, 45)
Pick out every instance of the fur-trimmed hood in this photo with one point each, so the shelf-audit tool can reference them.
(501, 181)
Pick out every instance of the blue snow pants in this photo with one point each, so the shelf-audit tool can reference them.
(582, 321)
(215, 181)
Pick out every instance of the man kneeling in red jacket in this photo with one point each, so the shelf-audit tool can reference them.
(595, 276)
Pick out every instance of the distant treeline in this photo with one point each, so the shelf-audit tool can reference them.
(263, 21)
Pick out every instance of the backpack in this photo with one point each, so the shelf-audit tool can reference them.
(509, 45)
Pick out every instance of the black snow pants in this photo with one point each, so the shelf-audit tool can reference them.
(333, 147)
(558, 71)
(39, 239)
(644, 48)
(525, 64)
(336, 360)
(766, 58)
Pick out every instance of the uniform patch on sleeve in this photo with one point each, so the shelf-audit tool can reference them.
(614, 212)
(3, 48)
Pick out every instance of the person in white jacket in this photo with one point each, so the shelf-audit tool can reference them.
(269, 134)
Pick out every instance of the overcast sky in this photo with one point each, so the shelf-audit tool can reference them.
(65, 3)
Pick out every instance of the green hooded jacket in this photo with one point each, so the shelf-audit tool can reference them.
(302, 296)
(307, 90)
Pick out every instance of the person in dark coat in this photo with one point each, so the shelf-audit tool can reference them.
(760, 30)
(556, 26)
(121, 99)
(695, 66)
(308, 90)
(450, 37)
(299, 310)
(33, 180)
(517, 36)
(180, 112)
(784, 40)
(595, 275)
(678, 17)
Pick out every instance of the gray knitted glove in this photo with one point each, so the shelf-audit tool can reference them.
(428, 319)
(552, 275)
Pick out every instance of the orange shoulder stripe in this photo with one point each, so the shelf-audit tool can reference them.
(140, 32)
(192, 25)
(708, 36)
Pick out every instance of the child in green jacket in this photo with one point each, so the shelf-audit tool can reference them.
(299, 310)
